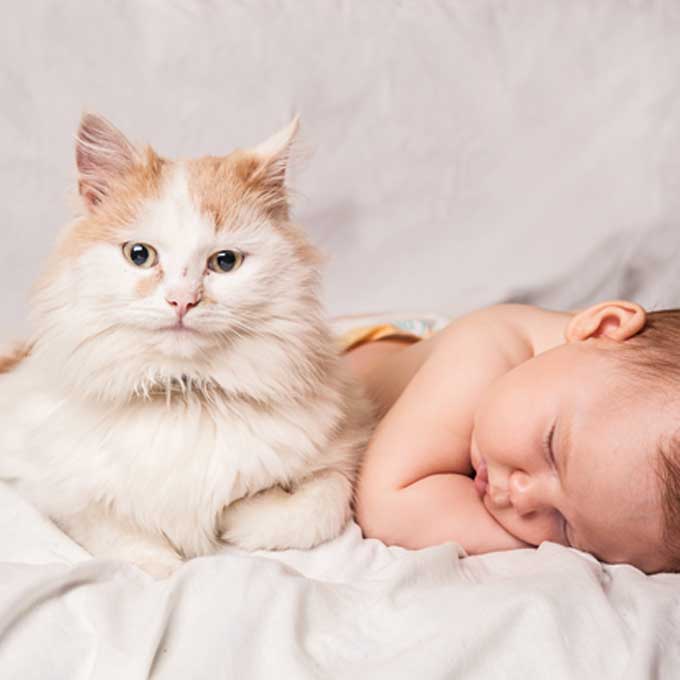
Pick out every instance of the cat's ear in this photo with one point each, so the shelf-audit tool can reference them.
(274, 153)
(267, 164)
(103, 154)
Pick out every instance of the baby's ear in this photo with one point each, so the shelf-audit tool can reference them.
(615, 319)
(264, 166)
(103, 154)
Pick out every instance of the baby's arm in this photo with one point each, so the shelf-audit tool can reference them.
(413, 488)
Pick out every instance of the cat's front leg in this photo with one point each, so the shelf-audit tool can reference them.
(314, 511)
(105, 535)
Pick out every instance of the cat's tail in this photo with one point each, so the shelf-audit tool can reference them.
(12, 356)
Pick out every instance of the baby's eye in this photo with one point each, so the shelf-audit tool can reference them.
(140, 254)
(225, 261)
(548, 448)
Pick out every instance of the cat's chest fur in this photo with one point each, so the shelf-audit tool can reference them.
(171, 464)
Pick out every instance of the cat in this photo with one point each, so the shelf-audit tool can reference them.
(181, 388)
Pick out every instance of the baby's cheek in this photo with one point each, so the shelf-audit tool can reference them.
(534, 528)
(475, 456)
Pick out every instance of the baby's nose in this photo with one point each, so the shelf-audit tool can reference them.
(499, 496)
(523, 496)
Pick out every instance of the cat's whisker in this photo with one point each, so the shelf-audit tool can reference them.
(92, 338)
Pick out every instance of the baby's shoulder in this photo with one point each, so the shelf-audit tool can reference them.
(543, 329)
(522, 331)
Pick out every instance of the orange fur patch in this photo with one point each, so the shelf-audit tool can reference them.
(219, 185)
(105, 221)
(149, 283)
(128, 193)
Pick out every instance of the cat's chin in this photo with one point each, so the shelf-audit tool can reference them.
(178, 341)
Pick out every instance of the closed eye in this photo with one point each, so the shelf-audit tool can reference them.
(548, 451)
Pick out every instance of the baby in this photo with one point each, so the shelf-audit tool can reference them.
(516, 425)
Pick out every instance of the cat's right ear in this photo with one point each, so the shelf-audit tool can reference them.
(103, 154)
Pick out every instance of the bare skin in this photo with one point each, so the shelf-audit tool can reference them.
(528, 401)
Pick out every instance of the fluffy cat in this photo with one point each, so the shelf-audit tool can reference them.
(181, 387)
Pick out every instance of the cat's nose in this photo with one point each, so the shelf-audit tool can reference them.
(183, 301)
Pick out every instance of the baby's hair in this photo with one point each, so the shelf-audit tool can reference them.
(654, 356)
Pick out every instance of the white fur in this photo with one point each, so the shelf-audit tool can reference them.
(139, 442)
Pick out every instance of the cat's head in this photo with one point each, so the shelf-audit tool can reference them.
(173, 262)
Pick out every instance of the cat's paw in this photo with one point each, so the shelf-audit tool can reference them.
(314, 511)
(247, 523)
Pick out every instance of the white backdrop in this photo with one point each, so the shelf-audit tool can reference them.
(459, 153)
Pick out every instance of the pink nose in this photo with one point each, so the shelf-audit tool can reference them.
(183, 302)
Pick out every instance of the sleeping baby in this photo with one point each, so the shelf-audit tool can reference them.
(515, 425)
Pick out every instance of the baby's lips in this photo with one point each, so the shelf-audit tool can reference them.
(481, 479)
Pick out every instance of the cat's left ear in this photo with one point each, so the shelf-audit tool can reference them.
(268, 163)
(103, 155)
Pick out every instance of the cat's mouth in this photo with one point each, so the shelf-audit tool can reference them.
(179, 328)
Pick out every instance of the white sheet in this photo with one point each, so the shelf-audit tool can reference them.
(461, 153)
(348, 609)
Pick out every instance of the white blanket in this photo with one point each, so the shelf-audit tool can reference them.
(348, 609)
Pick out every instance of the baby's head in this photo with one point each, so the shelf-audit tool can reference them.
(652, 359)
(582, 442)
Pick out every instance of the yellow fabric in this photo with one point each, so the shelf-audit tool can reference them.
(360, 336)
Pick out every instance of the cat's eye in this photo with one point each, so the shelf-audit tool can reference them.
(140, 254)
(225, 261)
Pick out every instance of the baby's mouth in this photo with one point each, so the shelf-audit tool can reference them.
(482, 479)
